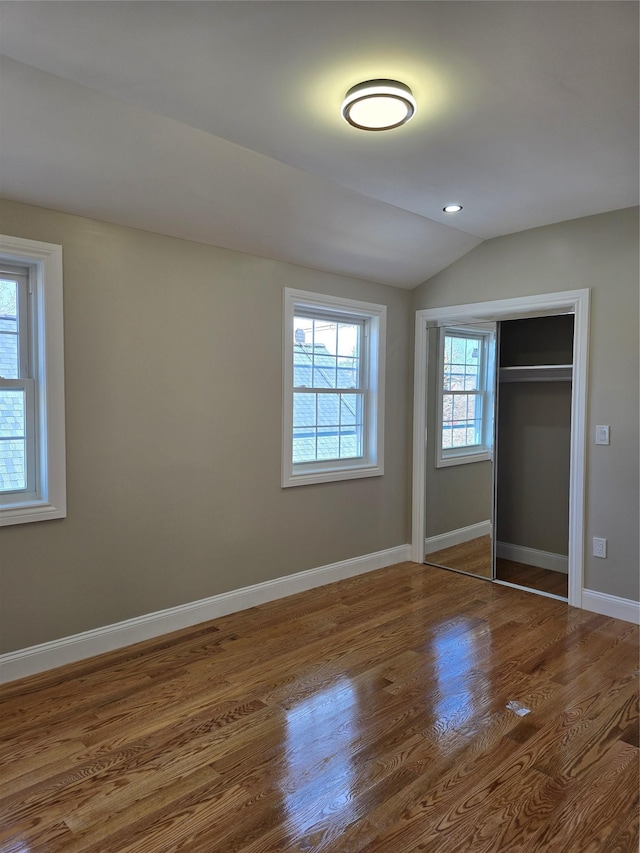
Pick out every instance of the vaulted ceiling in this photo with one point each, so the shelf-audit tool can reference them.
(219, 122)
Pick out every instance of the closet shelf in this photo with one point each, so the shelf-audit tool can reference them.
(537, 373)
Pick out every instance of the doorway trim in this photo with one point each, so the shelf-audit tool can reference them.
(574, 302)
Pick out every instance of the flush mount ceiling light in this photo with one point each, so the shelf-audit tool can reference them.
(452, 208)
(378, 105)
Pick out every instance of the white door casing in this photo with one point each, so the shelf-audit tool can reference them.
(574, 302)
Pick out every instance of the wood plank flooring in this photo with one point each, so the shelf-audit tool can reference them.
(473, 556)
(381, 714)
(533, 577)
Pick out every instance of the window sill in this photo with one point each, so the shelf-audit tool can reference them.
(464, 459)
(331, 475)
(27, 511)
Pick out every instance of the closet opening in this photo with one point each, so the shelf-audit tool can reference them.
(499, 447)
(532, 453)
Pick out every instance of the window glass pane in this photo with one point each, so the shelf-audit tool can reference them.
(302, 352)
(9, 362)
(471, 380)
(348, 373)
(12, 413)
(348, 339)
(12, 440)
(328, 444)
(461, 363)
(461, 420)
(350, 442)
(459, 407)
(328, 410)
(304, 409)
(473, 434)
(458, 436)
(304, 427)
(304, 445)
(458, 350)
(351, 426)
(456, 379)
(326, 426)
(324, 369)
(326, 353)
(350, 409)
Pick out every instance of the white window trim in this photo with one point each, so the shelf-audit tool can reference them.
(45, 261)
(24, 381)
(372, 463)
(464, 455)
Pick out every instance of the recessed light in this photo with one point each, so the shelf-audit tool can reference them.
(378, 105)
(452, 208)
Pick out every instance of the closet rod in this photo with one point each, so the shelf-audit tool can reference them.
(537, 373)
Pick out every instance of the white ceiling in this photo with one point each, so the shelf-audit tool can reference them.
(219, 122)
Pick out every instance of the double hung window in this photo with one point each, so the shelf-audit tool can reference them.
(17, 387)
(465, 415)
(333, 381)
(32, 458)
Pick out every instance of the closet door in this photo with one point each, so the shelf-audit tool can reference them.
(533, 453)
(459, 448)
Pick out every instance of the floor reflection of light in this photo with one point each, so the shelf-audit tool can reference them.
(455, 653)
(319, 732)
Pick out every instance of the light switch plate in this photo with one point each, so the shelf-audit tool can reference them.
(602, 435)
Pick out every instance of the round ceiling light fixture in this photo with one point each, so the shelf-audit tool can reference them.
(378, 105)
(452, 208)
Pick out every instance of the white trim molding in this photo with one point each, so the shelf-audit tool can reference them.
(45, 656)
(574, 302)
(611, 605)
(49, 500)
(456, 537)
(533, 557)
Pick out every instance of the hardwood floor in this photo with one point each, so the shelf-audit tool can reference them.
(383, 713)
(473, 556)
(557, 583)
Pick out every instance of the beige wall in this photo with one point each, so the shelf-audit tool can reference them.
(173, 404)
(600, 253)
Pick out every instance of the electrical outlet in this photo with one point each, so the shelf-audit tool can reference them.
(599, 547)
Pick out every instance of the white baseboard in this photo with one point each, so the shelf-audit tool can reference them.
(456, 537)
(77, 647)
(533, 557)
(611, 605)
